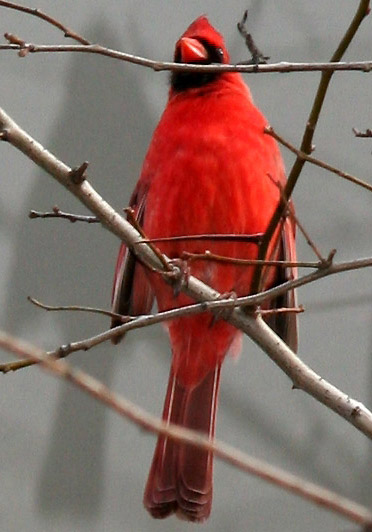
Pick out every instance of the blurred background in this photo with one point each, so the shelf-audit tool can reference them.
(67, 463)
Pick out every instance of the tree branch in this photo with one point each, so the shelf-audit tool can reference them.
(137, 322)
(158, 66)
(306, 144)
(307, 490)
(37, 13)
(260, 333)
(301, 155)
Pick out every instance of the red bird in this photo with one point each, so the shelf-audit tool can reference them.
(210, 169)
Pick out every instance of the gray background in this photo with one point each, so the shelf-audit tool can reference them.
(66, 462)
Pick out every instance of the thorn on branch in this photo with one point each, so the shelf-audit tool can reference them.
(77, 174)
(257, 56)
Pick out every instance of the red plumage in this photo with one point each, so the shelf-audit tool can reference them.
(210, 169)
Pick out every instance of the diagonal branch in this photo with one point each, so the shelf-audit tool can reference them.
(306, 144)
(137, 322)
(300, 154)
(302, 488)
(301, 376)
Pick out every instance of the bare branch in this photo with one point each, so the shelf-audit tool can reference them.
(213, 237)
(80, 308)
(291, 213)
(306, 144)
(37, 13)
(301, 155)
(217, 305)
(307, 237)
(284, 310)
(57, 213)
(257, 56)
(207, 255)
(283, 67)
(307, 490)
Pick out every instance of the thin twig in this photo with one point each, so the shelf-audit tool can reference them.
(283, 67)
(213, 237)
(283, 310)
(207, 255)
(317, 162)
(218, 304)
(80, 308)
(257, 56)
(306, 143)
(133, 220)
(291, 213)
(296, 485)
(57, 213)
(306, 235)
(37, 13)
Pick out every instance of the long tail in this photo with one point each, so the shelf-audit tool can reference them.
(180, 478)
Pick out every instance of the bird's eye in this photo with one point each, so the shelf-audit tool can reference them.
(219, 52)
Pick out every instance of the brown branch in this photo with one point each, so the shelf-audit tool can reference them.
(216, 305)
(283, 67)
(291, 213)
(282, 310)
(80, 308)
(207, 255)
(306, 144)
(230, 237)
(301, 155)
(298, 486)
(213, 237)
(257, 56)
(134, 222)
(57, 213)
(37, 13)
(307, 237)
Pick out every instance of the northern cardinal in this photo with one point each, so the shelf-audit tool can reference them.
(210, 169)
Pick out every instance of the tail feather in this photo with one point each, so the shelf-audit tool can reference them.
(180, 478)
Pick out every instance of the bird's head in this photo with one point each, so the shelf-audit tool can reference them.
(201, 44)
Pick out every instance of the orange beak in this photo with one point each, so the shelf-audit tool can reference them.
(192, 50)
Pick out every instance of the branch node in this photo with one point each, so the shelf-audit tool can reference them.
(77, 174)
(63, 351)
(327, 263)
(178, 274)
(4, 135)
(356, 412)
